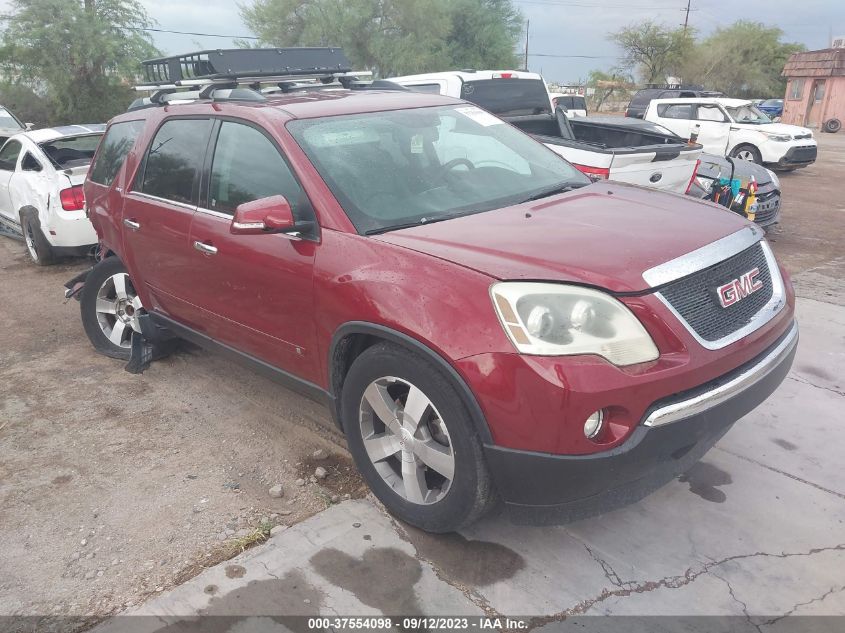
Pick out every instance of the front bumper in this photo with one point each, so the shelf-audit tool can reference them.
(674, 434)
(799, 156)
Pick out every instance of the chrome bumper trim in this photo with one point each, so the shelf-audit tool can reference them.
(704, 401)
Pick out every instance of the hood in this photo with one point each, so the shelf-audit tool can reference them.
(604, 235)
(778, 128)
(712, 165)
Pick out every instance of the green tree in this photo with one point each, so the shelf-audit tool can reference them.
(83, 53)
(28, 106)
(394, 37)
(653, 50)
(605, 85)
(742, 60)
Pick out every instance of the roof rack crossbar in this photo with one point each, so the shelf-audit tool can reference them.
(246, 62)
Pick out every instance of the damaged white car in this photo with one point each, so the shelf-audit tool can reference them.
(41, 200)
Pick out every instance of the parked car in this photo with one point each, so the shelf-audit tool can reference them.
(712, 167)
(486, 325)
(574, 105)
(771, 107)
(599, 149)
(10, 125)
(639, 102)
(41, 175)
(736, 128)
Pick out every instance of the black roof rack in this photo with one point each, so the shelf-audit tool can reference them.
(243, 64)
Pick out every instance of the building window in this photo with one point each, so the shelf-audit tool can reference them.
(818, 94)
(796, 89)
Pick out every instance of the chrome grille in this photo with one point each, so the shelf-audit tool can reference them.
(695, 299)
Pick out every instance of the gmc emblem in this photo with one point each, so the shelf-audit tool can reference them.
(736, 290)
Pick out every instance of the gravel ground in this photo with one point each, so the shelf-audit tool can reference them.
(114, 486)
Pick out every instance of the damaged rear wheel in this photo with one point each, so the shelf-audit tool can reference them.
(110, 308)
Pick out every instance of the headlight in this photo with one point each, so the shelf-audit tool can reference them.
(775, 179)
(783, 138)
(559, 320)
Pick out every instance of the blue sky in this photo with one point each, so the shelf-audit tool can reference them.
(557, 27)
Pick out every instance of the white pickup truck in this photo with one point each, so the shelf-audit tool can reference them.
(736, 128)
(599, 149)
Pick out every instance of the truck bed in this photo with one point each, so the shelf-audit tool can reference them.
(630, 155)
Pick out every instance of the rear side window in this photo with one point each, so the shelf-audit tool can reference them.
(246, 167)
(675, 111)
(115, 145)
(174, 159)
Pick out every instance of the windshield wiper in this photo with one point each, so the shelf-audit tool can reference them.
(558, 188)
(408, 225)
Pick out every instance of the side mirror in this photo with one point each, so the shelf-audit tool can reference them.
(29, 126)
(265, 215)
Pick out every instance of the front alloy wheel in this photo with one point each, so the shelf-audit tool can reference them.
(406, 440)
(413, 440)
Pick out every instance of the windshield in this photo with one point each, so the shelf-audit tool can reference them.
(407, 167)
(8, 120)
(508, 96)
(71, 151)
(748, 114)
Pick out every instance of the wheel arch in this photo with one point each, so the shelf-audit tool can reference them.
(353, 337)
(742, 144)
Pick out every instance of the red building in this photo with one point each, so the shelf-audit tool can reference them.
(815, 92)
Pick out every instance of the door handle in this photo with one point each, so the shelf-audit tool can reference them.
(132, 224)
(208, 249)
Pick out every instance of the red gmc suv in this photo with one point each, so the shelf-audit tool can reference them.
(483, 322)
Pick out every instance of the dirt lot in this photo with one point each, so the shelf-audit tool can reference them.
(114, 486)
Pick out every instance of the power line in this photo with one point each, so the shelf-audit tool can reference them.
(553, 3)
(574, 56)
(234, 37)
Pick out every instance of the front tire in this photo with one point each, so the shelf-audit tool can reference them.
(747, 152)
(110, 308)
(39, 249)
(413, 440)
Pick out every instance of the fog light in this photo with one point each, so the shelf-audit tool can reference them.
(593, 424)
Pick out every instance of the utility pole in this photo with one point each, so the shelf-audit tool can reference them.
(686, 17)
(527, 24)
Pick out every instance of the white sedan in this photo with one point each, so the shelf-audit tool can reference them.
(41, 176)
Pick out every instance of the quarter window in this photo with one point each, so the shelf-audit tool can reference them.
(246, 167)
(30, 163)
(9, 155)
(675, 111)
(174, 159)
(114, 147)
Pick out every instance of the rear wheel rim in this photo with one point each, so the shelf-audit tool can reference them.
(406, 440)
(29, 238)
(117, 308)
